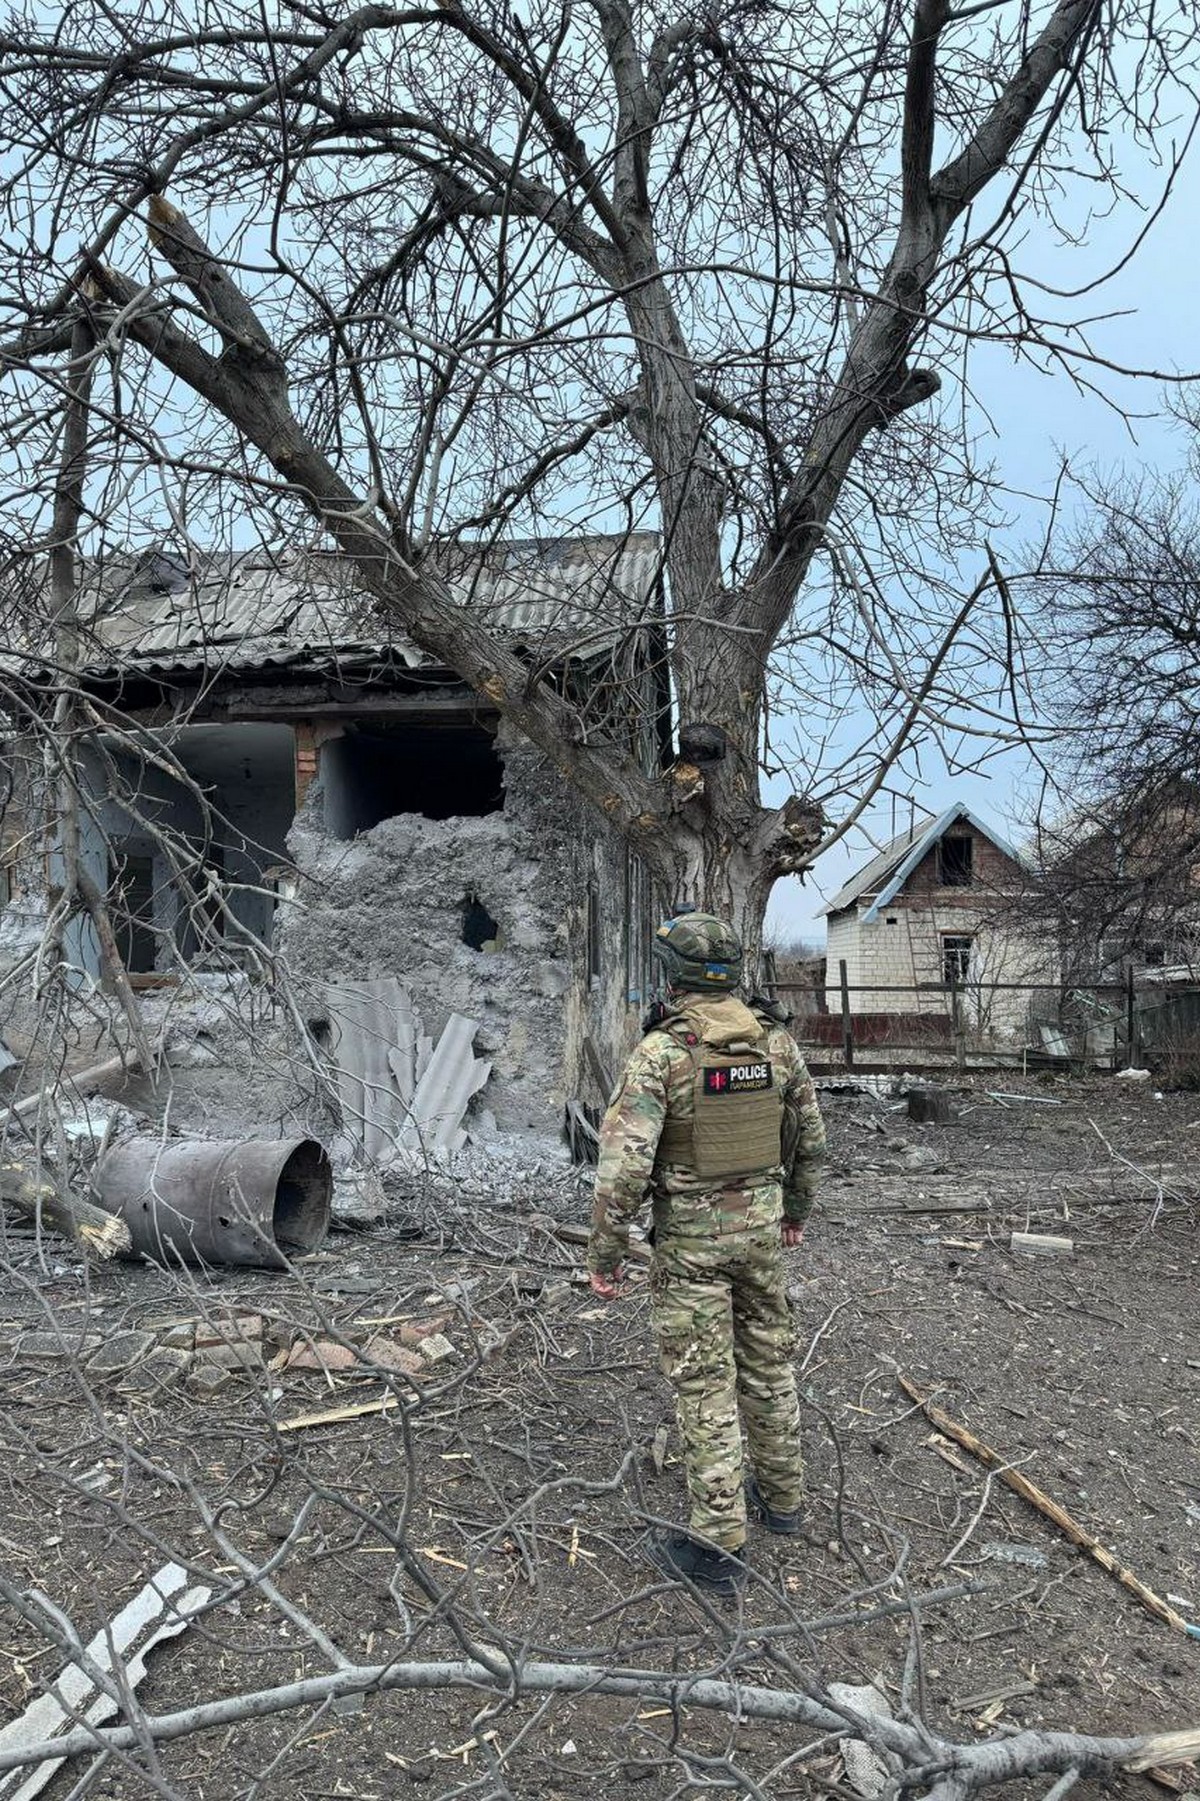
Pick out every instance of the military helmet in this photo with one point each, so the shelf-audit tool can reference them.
(700, 952)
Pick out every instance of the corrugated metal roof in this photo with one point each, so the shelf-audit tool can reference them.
(255, 610)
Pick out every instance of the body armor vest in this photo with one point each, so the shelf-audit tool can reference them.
(737, 1106)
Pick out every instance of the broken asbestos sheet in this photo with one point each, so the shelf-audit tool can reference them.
(399, 1092)
(163, 1608)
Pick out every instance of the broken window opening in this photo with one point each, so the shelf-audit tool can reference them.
(439, 772)
(956, 958)
(955, 862)
(131, 907)
(479, 929)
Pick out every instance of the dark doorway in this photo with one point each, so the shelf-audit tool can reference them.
(131, 905)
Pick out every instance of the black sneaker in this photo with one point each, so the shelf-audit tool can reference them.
(678, 1554)
(785, 1525)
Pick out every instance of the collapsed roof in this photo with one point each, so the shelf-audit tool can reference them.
(301, 611)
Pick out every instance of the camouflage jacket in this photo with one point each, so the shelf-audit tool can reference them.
(658, 1081)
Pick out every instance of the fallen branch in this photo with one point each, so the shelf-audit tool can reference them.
(37, 1194)
(569, 1234)
(1037, 1497)
(77, 1084)
(974, 1765)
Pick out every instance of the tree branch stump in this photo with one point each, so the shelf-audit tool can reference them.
(36, 1193)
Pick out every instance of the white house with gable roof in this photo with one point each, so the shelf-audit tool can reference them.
(931, 917)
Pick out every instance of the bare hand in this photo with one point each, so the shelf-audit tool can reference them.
(792, 1233)
(607, 1287)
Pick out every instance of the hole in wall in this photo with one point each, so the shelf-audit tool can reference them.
(440, 772)
(478, 926)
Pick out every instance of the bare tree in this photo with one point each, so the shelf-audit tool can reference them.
(431, 274)
(1117, 593)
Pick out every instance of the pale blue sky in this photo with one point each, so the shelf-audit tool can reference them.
(1027, 422)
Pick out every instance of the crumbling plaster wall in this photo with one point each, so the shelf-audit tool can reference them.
(391, 901)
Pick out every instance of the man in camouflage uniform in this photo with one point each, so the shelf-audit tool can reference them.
(716, 1117)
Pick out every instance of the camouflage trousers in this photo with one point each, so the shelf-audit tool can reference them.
(726, 1340)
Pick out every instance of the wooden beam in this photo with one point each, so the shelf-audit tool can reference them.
(1050, 1509)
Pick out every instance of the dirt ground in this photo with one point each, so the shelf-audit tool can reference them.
(521, 1486)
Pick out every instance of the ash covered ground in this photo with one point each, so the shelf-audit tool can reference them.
(521, 1484)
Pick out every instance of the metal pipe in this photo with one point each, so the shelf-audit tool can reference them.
(260, 1201)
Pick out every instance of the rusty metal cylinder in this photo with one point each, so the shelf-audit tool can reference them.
(260, 1201)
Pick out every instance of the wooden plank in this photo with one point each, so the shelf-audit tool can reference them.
(332, 1416)
(599, 1074)
(1050, 1509)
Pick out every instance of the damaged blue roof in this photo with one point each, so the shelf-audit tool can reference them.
(886, 873)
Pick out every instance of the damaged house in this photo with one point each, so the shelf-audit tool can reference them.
(933, 923)
(284, 786)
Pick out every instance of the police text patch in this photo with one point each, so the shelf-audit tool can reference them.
(738, 1078)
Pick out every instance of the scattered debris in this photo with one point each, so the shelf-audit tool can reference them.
(881, 1087)
(51, 1346)
(120, 1353)
(1029, 1491)
(1132, 1075)
(167, 1606)
(1008, 1551)
(1181, 1781)
(919, 1160)
(321, 1354)
(866, 1772)
(161, 1369)
(358, 1200)
(1042, 1244)
(1028, 1100)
